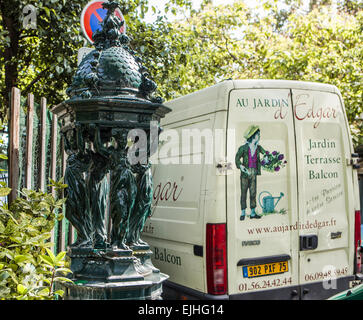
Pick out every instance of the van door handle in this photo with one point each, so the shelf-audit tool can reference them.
(308, 242)
(354, 161)
(198, 250)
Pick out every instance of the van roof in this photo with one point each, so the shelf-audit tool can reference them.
(212, 99)
(283, 84)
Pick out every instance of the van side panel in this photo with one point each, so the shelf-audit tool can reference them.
(187, 195)
(181, 200)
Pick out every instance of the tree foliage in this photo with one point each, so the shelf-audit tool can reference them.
(230, 41)
(41, 59)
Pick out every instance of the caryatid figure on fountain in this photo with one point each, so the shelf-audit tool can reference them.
(78, 205)
(122, 184)
(123, 190)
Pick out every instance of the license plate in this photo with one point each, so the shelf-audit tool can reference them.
(265, 269)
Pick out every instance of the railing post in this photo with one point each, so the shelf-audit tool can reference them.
(53, 150)
(29, 142)
(68, 230)
(57, 235)
(14, 143)
(43, 132)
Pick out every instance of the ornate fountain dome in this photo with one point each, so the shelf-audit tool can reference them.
(112, 69)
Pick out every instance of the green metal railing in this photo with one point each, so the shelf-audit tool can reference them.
(36, 154)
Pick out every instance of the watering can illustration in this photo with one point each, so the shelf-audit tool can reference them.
(268, 202)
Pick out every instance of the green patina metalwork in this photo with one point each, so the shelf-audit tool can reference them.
(113, 68)
(77, 205)
(109, 194)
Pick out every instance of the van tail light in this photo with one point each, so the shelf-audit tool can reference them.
(357, 242)
(216, 258)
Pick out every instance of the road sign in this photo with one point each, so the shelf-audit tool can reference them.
(92, 15)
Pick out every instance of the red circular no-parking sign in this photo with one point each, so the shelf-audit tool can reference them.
(92, 15)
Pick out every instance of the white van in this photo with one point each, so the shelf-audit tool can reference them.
(255, 195)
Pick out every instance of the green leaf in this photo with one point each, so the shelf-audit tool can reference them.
(13, 267)
(59, 69)
(4, 292)
(13, 276)
(59, 292)
(16, 239)
(48, 244)
(2, 227)
(4, 275)
(48, 260)
(4, 191)
(52, 256)
(44, 292)
(21, 289)
(60, 256)
(21, 258)
(60, 202)
(63, 279)
(64, 270)
(40, 221)
(47, 11)
(7, 253)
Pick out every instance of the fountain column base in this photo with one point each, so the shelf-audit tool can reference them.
(112, 275)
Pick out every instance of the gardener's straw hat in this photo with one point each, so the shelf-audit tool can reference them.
(251, 131)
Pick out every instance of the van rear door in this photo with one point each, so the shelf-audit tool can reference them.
(262, 252)
(326, 197)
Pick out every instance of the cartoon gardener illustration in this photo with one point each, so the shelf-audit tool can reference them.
(248, 161)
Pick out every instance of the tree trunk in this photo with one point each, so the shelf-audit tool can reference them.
(10, 22)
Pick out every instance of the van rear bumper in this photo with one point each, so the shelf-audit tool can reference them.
(311, 291)
(174, 291)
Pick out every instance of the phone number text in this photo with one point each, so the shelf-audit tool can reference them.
(265, 284)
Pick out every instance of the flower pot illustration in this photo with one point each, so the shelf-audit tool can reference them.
(268, 202)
